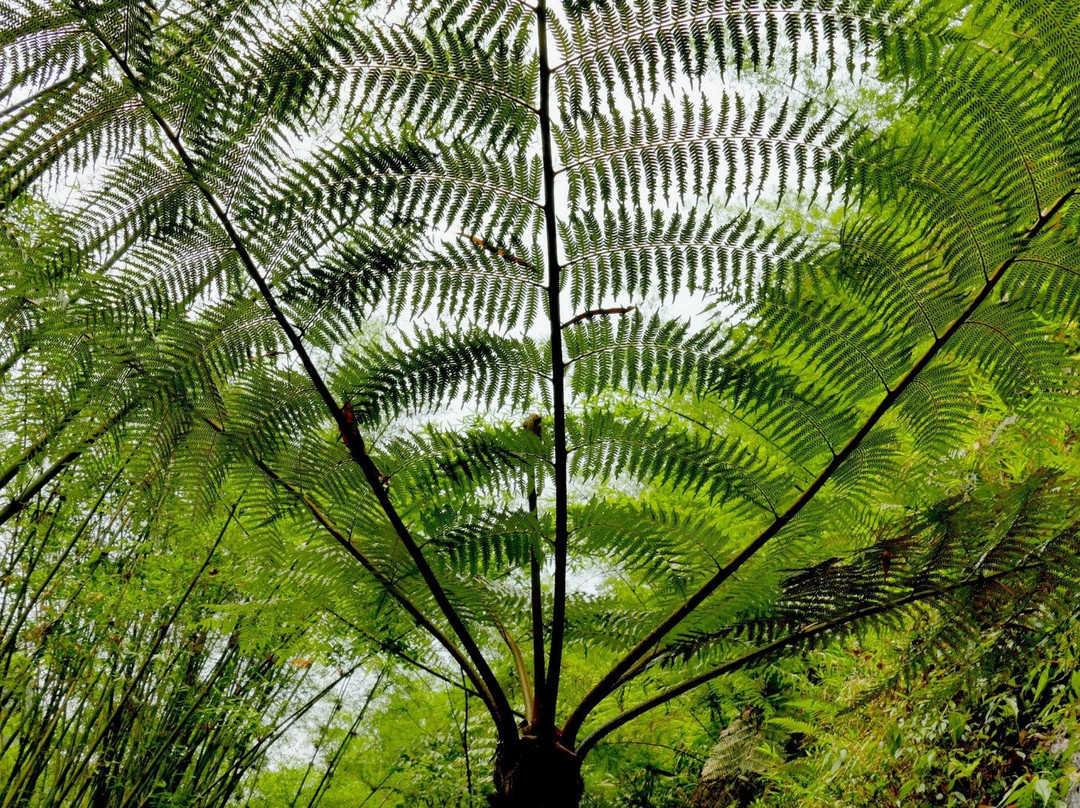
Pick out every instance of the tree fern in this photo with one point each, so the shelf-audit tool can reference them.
(305, 235)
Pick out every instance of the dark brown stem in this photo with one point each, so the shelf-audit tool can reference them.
(588, 315)
(550, 698)
(606, 685)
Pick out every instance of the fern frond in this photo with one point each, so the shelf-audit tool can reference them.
(640, 353)
(604, 447)
(433, 369)
(828, 340)
(637, 254)
(686, 149)
(1014, 529)
(610, 47)
(659, 542)
(495, 541)
(485, 460)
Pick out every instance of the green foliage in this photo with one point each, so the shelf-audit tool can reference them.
(330, 255)
(998, 729)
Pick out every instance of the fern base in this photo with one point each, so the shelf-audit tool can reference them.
(534, 773)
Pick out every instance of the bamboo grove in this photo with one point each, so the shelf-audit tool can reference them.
(437, 314)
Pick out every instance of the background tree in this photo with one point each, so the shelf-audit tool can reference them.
(531, 186)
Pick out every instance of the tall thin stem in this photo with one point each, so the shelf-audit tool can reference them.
(558, 372)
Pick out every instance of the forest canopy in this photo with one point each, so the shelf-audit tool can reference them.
(597, 402)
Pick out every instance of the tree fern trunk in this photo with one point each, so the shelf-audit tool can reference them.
(534, 773)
